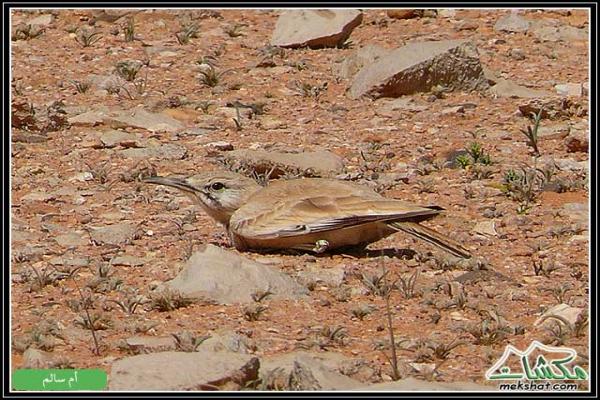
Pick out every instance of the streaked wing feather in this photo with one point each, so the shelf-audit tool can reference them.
(294, 217)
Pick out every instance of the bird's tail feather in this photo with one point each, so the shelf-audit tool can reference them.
(431, 236)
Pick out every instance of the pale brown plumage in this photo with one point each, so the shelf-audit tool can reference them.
(301, 213)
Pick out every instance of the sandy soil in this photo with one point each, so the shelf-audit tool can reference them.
(44, 67)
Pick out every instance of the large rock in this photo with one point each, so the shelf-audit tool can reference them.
(202, 370)
(318, 163)
(225, 277)
(506, 88)
(418, 67)
(492, 76)
(315, 28)
(512, 23)
(355, 368)
(412, 384)
(356, 61)
(303, 371)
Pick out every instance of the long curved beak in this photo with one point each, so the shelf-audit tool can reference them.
(178, 183)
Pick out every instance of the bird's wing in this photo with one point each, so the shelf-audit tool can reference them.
(303, 214)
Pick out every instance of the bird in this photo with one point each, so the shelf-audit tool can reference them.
(307, 214)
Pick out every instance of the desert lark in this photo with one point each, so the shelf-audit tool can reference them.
(313, 214)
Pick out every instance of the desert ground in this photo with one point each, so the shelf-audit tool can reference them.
(103, 98)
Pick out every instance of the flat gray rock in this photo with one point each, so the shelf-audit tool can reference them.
(315, 28)
(569, 89)
(169, 151)
(136, 118)
(113, 138)
(569, 164)
(128, 261)
(321, 163)
(38, 195)
(561, 33)
(36, 359)
(562, 311)
(23, 248)
(578, 212)
(115, 234)
(227, 340)
(140, 118)
(228, 278)
(28, 137)
(555, 131)
(506, 88)
(512, 23)
(303, 371)
(42, 20)
(485, 228)
(201, 370)
(72, 239)
(418, 67)
(90, 117)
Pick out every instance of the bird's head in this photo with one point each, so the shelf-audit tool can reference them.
(220, 194)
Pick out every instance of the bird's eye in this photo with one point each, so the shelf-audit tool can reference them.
(217, 186)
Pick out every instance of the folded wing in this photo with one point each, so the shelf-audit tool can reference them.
(299, 210)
